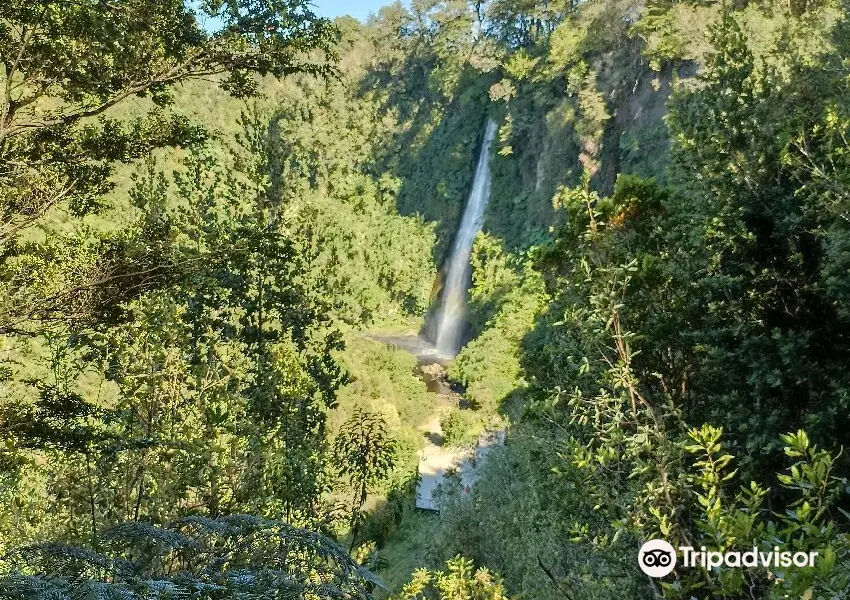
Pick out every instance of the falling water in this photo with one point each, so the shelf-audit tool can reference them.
(451, 321)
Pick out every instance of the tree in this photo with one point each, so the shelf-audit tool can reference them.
(212, 390)
(229, 557)
(365, 454)
(64, 66)
(521, 23)
(461, 581)
(767, 341)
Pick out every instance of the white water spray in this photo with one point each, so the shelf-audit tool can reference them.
(450, 323)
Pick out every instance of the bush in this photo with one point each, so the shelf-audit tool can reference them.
(461, 427)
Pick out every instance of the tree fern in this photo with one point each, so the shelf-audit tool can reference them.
(235, 556)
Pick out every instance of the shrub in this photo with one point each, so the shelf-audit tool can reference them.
(461, 427)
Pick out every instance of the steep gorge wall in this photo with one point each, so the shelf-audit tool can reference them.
(537, 162)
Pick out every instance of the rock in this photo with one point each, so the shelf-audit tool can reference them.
(434, 370)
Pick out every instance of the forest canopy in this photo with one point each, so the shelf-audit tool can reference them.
(210, 240)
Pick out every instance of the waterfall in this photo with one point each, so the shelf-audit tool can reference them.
(451, 320)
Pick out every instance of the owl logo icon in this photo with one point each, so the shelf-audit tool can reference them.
(657, 558)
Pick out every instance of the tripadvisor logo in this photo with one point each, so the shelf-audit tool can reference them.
(657, 558)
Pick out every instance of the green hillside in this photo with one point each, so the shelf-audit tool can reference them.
(213, 241)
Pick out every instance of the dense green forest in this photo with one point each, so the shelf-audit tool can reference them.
(209, 232)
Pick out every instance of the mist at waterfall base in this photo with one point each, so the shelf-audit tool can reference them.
(446, 327)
